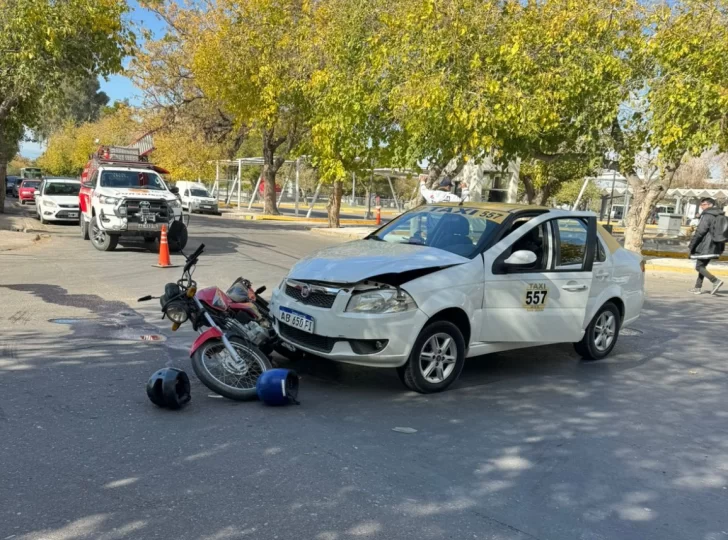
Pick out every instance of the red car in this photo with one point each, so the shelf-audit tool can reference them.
(26, 191)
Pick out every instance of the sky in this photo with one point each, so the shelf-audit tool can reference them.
(117, 87)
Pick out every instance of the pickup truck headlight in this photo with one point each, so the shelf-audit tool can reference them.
(105, 199)
(49, 203)
(381, 301)
(174, 204)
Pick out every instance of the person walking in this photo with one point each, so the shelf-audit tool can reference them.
(708, 243)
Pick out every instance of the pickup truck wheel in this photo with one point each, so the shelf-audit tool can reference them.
(83, 224)
(101, 239)
(601, 335)
(436, 360)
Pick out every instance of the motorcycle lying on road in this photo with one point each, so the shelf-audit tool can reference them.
(226, 357)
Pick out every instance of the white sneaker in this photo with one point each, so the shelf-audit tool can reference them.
(716, 287)
(695, 291)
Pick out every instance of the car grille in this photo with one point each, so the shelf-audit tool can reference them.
(310, 341)
(314, 298)
(136, 209)
(68, 205)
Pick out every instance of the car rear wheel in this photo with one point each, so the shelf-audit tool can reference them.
(436, 360)
(101, 239)
(601, 335)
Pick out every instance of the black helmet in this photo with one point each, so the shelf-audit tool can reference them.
(169, 387)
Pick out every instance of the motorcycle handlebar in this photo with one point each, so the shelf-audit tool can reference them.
(192, 259)
(145, 298)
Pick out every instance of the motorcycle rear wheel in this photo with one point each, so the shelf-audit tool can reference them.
(217, 370)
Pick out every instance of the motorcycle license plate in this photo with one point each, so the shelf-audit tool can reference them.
(296, 319)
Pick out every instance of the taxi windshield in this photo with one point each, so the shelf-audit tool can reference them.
(457, 229)
(131, 179)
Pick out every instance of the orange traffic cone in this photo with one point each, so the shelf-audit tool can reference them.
(164, 261)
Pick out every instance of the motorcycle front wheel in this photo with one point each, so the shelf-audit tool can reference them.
(219, 371)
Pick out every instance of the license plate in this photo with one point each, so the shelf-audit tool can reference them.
(296, 319)
(207, 206)
(73, 214)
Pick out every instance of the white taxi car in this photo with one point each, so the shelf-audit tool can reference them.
(444, 282)
(56, 199)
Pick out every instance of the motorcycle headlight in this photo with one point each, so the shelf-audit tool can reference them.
(177, 312)
(49, 203)
(105, 199)
(381, 301)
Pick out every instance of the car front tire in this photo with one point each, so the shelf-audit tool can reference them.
(102, 240)
(601, 336)
(436, 360)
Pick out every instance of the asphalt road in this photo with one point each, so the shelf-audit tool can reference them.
(529, 445)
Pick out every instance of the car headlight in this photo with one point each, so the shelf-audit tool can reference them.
(105, 199)
(381, 301)
(49, 203)
(177, 312)
(174, 204)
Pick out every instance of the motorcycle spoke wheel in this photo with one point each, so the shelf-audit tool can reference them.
(218, 362)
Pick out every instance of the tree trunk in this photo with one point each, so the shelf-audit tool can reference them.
(3, 171)
(641, 204)
(529, 188)
(271, 165)
(334, 205)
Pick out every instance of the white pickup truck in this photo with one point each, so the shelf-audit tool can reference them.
(121, 196)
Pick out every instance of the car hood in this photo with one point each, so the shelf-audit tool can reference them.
(137, 193)
(62, 199)
(206, 200)
(356, 261)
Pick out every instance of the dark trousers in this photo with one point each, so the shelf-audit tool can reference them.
(703, 273)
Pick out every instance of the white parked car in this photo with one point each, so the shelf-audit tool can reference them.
(195, 198)
(56, 199)
(444, 282)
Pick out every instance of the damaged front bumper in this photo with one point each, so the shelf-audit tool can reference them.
(374, 340)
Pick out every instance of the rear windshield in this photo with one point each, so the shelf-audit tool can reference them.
(199, 193)
(58, 188)
(132, 179)
(457, 229)
(30, 184)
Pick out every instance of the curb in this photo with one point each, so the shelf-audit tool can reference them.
(673, 255)
(339, 233)
(682, 270)
(310, 221)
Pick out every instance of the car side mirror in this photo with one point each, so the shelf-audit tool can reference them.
(522, 257)
(174, 190)
(36, 193)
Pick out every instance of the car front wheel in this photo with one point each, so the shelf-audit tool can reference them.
(601, 335)
(436, 360)
(102, 240)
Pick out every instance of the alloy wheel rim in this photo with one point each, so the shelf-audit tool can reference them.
(437, 358)
(99, 236)
(605, 331)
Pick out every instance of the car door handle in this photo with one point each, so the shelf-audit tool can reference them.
(575, 288)
(601, 275)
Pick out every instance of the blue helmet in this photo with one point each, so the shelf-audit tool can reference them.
(278, 387)
(170, 388)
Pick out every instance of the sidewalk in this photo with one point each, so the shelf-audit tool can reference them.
(15, 226)
(254, 216)
(345, 233)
